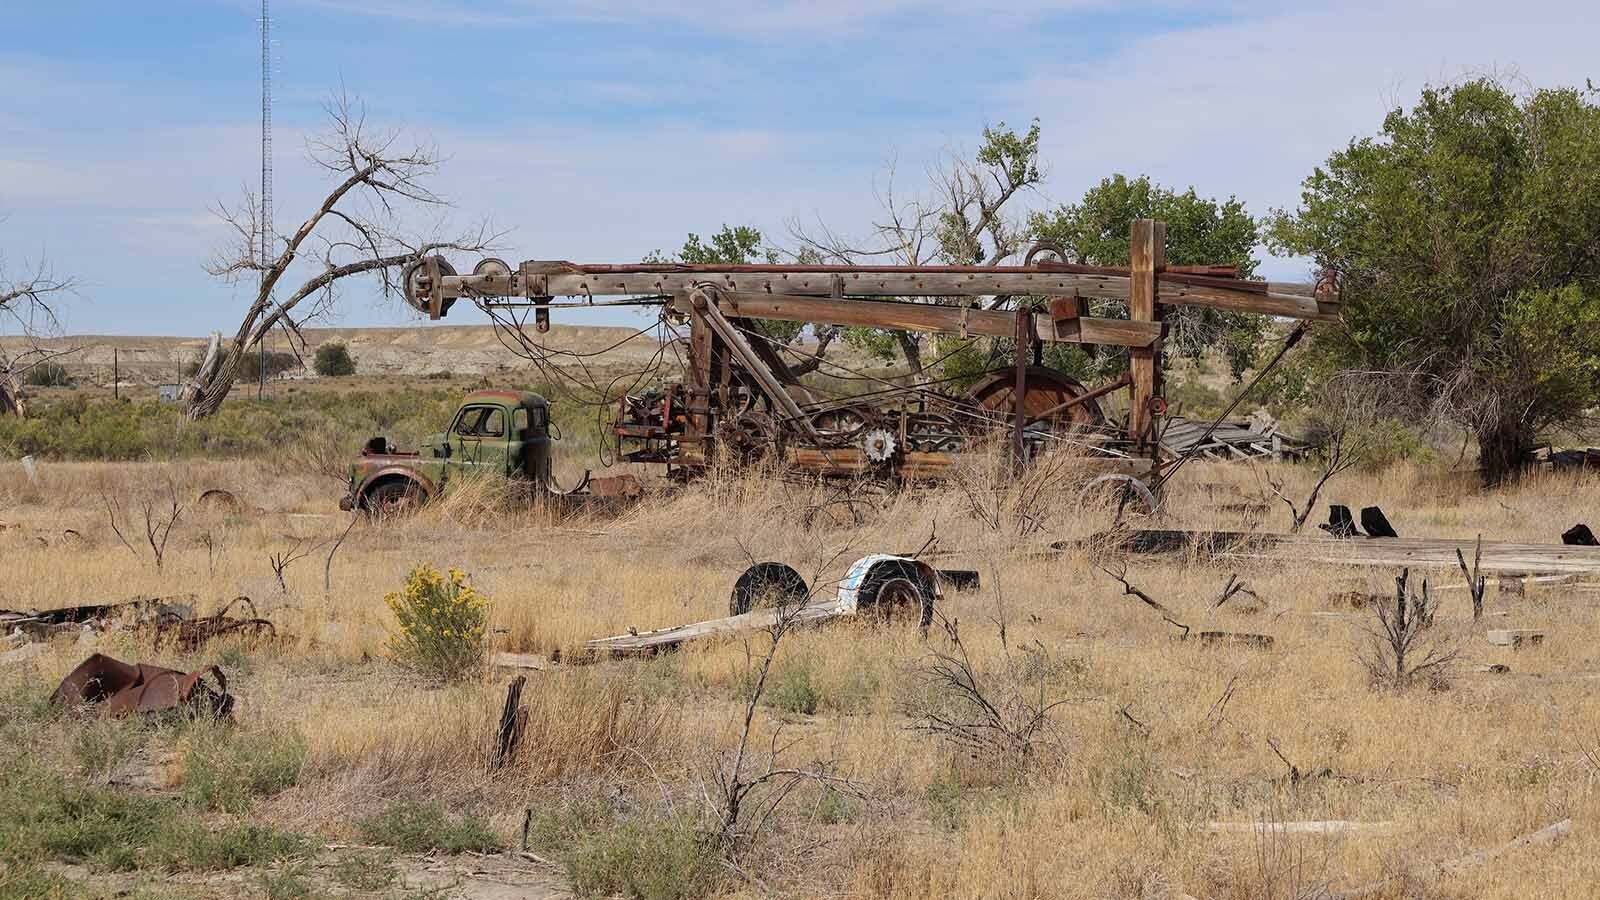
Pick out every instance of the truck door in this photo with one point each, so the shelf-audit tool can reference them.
(532, 448)
(478, 441)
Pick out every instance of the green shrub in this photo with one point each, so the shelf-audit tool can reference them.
(415, 827)
(366, 871)
(647, 859)
(100, 745)
(225, 768)
(333, 360)
(50, 819)
(792, 687)
(190, 845)
(439, 623)
(49, 374)
(29, 882)
(287, 884)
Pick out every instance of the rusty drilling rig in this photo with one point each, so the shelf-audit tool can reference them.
(737, 392)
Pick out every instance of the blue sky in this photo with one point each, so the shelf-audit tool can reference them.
(601, 131)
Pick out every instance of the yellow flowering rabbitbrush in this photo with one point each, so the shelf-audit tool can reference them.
(440, 622)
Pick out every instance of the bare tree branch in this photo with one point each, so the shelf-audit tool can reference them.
(354, 231)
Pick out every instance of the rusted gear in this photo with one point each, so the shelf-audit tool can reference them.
(750, 435)
(878, 444)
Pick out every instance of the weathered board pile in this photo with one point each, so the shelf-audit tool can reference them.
(1256, 437)
(1586, 458)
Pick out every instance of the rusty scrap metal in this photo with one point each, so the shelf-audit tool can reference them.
(169, 620)
(190, 633)
(143, 688)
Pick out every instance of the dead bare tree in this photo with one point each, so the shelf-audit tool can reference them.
(283, 559)
(1397, 641)
(1001, 717)
(1336, 459)
(1128, 589)
(1476, 583)
(159, 517)
(354, 231)
(28, 306)
(1233, 588)
(750, 785)
(963, 218)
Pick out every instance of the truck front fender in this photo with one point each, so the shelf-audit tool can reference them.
(424, 485)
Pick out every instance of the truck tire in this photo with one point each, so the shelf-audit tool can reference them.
(767, 584)
(394, 497)
(895, 587)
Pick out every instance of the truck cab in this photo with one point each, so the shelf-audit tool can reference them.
(500, 434)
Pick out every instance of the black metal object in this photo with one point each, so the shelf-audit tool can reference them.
(1376, 524)
(767, 583)
(1340, 523)
(1579, 535)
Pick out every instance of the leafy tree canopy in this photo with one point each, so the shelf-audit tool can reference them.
(1200, 231)
(1466, 236)
(734, 245)
(333, 360)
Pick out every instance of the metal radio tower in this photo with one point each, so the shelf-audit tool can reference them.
(265, 239)
(266, 133)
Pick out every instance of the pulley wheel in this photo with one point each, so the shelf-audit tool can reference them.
(1043, 390)
(412, 288)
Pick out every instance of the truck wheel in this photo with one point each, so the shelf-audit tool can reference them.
(897, 588)
(391, 498)
(767, 584)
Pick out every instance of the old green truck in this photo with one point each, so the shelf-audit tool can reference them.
(499, 434)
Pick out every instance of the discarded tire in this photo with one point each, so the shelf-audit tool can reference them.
(767, 584)
(896, 585)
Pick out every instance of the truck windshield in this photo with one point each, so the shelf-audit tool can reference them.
(481, 422)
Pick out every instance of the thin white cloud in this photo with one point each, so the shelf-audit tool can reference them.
(723, 16)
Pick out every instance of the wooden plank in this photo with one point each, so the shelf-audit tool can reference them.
(699, 373)
(1393, 553)
(927, 317)
(647, 642)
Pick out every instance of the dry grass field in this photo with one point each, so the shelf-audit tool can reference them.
(361, 778)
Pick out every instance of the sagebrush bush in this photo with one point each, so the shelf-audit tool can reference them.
(651, 859)
(440, 623)
(225, 768)
(416, 827)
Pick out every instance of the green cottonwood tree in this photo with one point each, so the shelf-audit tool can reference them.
(1467, 239)
(734, 245)
(1200, 231)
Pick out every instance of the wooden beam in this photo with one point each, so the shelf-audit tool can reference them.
(699, 373)
(1147, 255)
(752, 363)
(1019, 390)
(1046, 280)
(927, 317)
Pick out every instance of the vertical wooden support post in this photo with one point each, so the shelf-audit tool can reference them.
(1019, 391)
(699, 378)
(1147, 256)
